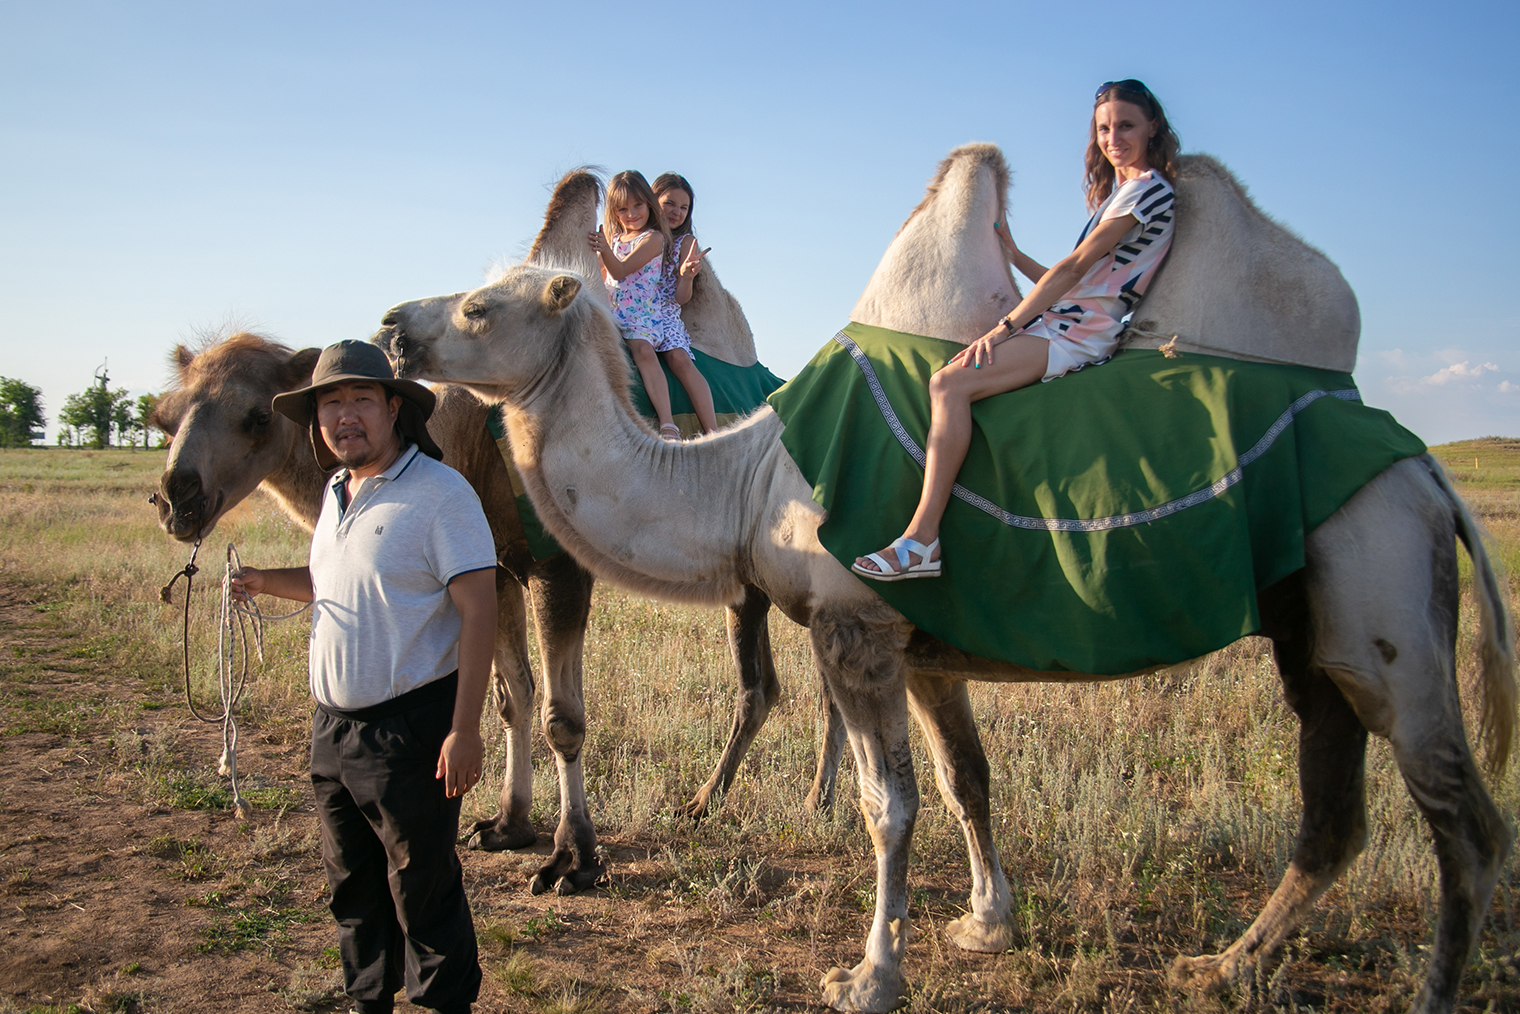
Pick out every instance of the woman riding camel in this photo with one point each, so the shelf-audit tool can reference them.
(1072, 316)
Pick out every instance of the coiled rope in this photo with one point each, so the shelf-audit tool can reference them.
(239, 622)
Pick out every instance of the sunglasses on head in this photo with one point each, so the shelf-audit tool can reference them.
(1129, 84)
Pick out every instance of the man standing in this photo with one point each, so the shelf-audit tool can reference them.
(403, 591)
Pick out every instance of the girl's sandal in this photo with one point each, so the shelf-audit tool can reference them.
(670, 432)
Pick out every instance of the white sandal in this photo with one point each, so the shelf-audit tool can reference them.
(925, 567)
(671, 433)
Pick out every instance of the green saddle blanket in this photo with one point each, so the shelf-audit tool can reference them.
(1118, 518)
(736, 390)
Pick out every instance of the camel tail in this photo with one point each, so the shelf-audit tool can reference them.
(1496, 633)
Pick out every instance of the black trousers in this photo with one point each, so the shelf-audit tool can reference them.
(388, 835)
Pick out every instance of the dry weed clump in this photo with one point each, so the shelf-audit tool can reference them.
(1136, 820)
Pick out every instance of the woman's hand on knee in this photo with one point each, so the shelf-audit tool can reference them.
(980, 352)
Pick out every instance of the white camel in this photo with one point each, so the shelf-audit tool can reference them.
(1363, 634)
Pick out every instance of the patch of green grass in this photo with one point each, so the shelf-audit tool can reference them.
(517, 974)
(240, 930)
(194, 792)
(1489, 464)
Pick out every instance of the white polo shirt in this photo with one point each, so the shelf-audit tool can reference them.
(382, 622)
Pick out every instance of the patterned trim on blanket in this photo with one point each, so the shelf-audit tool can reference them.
(1193, 499)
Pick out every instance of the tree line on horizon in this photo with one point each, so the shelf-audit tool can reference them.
(88, 419)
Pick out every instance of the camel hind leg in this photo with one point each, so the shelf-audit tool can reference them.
(830, 752)
(749, 640)
(512, 690)
(1332, 830)
(1383, 598)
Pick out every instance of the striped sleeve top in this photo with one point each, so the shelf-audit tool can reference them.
(1119, 279)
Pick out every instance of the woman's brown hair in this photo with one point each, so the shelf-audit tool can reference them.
(630, 187)
(1160, 153)
(664, 184)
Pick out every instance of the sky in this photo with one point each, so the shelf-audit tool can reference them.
(171, 170)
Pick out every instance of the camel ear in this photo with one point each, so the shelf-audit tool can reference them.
(182, 358)
(296, 370)
(560, 293)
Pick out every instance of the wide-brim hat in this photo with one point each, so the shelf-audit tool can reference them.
(350, 361)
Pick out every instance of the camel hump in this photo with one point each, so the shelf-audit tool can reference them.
(1238, 283)
(561, 244)
(716, 321)
(945, 274)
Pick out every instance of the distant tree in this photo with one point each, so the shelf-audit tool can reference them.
(21, 418)
(141, 418)
(94, 413)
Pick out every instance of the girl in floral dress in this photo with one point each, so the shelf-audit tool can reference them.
(637, 254)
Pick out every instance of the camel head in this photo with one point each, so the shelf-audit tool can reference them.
(505, 341)
(945, 274)
(225, 439)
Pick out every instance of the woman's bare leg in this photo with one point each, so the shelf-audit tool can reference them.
(655, 386)
(1018, 362)
(696, 387)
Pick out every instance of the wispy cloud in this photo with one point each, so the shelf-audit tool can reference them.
(1460, 371)
(1455, 373)
(1505, 387)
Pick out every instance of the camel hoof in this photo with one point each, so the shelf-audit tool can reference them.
(499, 834)
(971, 933)
(1207, 973)
(577, 881)
(818, 802)
(697, 808)
(864, 988)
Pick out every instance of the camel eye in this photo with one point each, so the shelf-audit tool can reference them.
(474, 311)
(258, 418)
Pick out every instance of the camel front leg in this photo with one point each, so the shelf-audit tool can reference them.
(749, 639)
(862, 666)
(512, 690)
(943, 710)
(561, 596)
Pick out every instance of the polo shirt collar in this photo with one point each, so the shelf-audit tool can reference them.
(403, 460)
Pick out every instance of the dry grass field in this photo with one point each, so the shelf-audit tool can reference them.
(1137, 820)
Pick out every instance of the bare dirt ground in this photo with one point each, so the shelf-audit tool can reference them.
(113, 898)
(126, 885)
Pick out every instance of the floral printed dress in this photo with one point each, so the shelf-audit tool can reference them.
(639, 300)
(674, 328)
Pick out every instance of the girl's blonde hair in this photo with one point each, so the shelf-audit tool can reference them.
(1160, 153)
(629, 187)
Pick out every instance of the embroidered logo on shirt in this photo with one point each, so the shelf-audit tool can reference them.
(379, 529)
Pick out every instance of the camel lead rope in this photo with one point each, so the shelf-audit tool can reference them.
(233, 636)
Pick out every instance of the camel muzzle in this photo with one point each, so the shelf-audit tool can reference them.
(405, 352)
(184, 509)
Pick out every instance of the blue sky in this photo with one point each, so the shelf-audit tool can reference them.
(172, 168)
